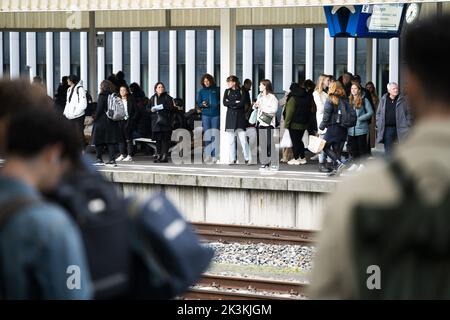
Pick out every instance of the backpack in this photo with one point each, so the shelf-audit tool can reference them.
(348, 115)
(116, 109)
(408, 241)
(100, 214)
(170, 255)
(135, 249)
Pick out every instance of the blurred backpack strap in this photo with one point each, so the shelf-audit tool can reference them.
(405, 180)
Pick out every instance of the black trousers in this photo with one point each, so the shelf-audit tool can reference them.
(111, 151)
(298, 147)
(358, 146)
(162, 142)
(333, 150)
(79, 125)
(126, 147)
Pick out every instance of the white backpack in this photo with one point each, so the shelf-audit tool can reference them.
(116, 109)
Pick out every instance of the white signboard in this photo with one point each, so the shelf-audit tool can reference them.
(386, 17)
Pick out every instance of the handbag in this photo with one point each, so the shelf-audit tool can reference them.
(286, 141)
(266, 118)
(316, 144)
(253, 116)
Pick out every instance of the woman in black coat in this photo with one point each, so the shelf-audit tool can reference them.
(161, 105)
(336, 134)
(235, 100)
(127, 126)
(105, 131)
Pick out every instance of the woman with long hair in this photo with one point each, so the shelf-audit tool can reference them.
(267, 105)
(357, 135)
(336, 134)
(161, 105)
(127, 125)
(105, 131)
(320, 96)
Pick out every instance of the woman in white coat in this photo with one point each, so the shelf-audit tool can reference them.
(320, 97)
(267, 105)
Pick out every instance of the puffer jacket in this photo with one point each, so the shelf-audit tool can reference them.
(76, 102)
(364, 114)
(212, 96)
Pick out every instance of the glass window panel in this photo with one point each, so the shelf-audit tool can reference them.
(318, 52)
(299, 46)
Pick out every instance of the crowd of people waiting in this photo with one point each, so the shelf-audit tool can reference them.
(315, 109)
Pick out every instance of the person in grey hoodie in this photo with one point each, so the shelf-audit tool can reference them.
(393, 118)
(76, 104)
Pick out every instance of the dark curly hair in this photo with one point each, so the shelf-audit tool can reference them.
(210, 79)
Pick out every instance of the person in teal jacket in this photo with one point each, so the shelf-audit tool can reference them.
(357, 135)
(208, 100)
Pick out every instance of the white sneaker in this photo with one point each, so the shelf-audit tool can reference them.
(302, 161)
(353, 167)
(128, 158)
(293, 162)
(120, 158)
(274, 168)
(314, 158)
(214, 160)
(361, 167)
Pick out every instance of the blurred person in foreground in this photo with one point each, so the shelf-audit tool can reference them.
(39, 242)
(385, 233)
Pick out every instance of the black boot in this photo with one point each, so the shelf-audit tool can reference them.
(163, 158)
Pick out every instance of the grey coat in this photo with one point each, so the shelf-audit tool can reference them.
(403, 118)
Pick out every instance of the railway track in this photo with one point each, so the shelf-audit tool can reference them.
(254, 234)
(213, 287)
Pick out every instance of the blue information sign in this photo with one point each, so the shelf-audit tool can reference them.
(365, 21)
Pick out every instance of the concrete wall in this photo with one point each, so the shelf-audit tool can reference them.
(263, 201)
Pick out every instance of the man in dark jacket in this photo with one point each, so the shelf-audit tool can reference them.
(393, 118)
(61, 95)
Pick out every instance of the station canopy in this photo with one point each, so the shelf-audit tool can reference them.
(98, 5)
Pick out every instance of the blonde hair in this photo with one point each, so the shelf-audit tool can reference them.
(358, 101)
(335, 92)
(319, 84)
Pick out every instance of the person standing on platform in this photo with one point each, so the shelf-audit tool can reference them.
(320, 96)
(234, 100)
(336, 134)
(106, 132)
(208, 100)
(298, 114)
(76, 105)
(127, 126)
(371, 90)
(267, 105)
(161, 105)
(357, 135)
(394, 119)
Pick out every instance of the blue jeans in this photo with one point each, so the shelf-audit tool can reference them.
(389, 137)
(209, 122)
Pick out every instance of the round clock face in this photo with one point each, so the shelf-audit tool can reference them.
(412, 13)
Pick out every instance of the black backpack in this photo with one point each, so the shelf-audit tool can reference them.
(348, 115)
(101, 215)
(408, 241)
